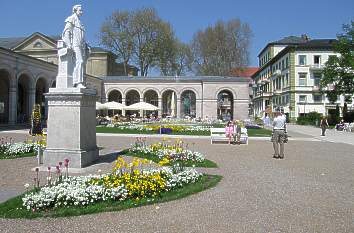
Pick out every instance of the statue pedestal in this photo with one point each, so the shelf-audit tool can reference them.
(71, 132)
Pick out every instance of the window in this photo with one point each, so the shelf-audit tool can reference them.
(286, 84)
(302, 79)
(286, 62)
(316, 79)
(317, 98)
(302, 98)
(302, 60)
(38, 45)
(317, 59)
(286, 99)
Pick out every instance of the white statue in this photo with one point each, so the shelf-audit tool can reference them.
(74, 38)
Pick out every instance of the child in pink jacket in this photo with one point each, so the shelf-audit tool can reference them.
(229, 131)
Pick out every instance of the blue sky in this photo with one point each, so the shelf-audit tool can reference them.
(270, 20)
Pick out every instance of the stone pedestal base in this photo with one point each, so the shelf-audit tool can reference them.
(71, 131)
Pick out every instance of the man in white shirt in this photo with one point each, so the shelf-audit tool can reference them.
(279, 135)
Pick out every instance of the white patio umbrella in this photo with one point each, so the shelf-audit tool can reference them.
(114, 105)
(142, 106)
(100, 106)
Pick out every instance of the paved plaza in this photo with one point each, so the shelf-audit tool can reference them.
(311, 190)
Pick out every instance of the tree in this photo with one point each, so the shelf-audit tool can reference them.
(137, 36)
(176, 61)
(221, 47)
(116, 35)
(338, 74)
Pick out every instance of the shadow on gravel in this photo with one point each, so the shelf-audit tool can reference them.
(109, 158)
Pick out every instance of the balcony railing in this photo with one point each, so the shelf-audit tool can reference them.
(277, 92)
(316, 67)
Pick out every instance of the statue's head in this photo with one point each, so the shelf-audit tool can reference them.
(77, 9)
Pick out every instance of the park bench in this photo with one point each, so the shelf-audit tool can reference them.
(218, 134)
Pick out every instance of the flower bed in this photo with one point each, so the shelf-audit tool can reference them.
(9, 149)
(166, 153)
(156, 128)
(127, 181)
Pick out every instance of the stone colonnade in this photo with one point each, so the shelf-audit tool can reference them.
(204, 97)
(23, 82)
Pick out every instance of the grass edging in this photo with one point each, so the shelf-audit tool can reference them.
(23, 155)
(13, 208)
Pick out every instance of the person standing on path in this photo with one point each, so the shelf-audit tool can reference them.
(324, 125)
(279, 136)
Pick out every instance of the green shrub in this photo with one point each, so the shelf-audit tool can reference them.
(348, 117)
(312, 118)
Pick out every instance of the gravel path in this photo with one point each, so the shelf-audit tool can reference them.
(311, 190)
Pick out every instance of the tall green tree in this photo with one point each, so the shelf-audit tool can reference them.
(138, 37)
(220, 48)
(116, 34)
(338, 74)
(176, 60)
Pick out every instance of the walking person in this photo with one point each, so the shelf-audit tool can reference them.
(279, 136)
(324, 125)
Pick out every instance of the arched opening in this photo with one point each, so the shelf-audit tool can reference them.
(169, 104)
(4, 96)
(151, 97)
(225, 106)
(23, 108)
(132, 97)
(116, 96)
(188, 104)
(41, 88)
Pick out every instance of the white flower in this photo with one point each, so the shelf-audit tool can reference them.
(26, 185)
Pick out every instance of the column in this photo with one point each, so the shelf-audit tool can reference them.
(31, 100)
(198, 108)
(141, 111)
(12, 105)
(159, 113)
(178, 109)
(123, 102)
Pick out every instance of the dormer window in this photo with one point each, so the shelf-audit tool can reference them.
(38, 45)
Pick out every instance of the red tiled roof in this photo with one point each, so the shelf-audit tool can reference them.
(243, 72)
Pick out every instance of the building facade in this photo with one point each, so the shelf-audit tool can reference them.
(289, 77)
(211, 97)
(28, 68)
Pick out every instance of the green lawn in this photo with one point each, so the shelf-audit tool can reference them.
(30, 154)
(251, 132)
(259, 132)
(205, 163)
(13, 208)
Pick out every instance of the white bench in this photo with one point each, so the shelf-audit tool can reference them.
(218, 134)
